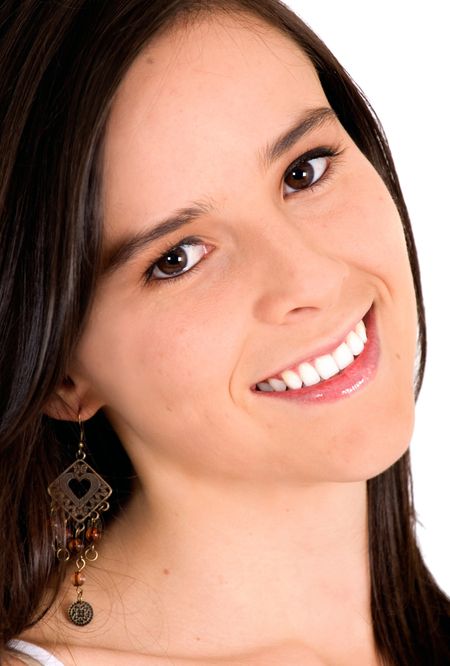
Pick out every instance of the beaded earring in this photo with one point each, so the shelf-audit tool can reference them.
(78, 497)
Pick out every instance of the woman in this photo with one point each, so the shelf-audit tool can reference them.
(244, 385)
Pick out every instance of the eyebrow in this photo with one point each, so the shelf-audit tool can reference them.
(308, 122)
(129, 246)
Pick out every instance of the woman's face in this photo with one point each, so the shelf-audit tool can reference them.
(287, 261)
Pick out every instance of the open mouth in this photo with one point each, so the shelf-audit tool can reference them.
(322, 368)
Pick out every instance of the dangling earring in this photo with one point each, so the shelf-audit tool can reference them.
(79, 497)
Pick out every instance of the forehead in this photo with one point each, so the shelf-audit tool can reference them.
(196, 102)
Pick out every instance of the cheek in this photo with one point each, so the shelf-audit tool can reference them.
(142, 365)
(366, 228)
(363, 226)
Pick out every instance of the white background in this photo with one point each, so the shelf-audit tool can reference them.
(398, 54)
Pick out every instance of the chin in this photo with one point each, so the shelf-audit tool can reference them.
(381, 449)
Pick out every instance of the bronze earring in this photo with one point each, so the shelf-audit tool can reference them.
(79, 497)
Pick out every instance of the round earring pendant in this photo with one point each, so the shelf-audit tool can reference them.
(80, 613)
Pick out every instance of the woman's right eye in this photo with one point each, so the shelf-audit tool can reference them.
(177, 261)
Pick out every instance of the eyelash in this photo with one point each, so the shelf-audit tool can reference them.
(332, 152)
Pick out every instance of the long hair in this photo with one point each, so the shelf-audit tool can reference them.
(60, 66)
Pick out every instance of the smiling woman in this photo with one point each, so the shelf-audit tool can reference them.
(218, 215)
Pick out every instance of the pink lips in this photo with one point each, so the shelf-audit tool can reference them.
(353, 378)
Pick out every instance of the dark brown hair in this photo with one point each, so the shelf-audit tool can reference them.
(60, 65)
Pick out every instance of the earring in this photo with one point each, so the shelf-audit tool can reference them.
(78, 497)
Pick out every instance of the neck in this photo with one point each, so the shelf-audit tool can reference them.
(214, 568)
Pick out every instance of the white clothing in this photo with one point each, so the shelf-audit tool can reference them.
(32, 655)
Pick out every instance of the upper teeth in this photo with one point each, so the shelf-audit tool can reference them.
(322, 367)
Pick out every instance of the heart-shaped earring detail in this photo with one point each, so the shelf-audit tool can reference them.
(80, 488)
(78, 491)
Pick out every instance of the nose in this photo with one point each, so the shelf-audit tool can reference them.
(296, 273)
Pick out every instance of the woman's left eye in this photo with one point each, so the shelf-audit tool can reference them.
(308, 170)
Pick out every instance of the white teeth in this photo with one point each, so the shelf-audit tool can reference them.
(326, 366)
(291, 379)
(361, 330)
(355, 343)
(343, 356)
(277, 384)
(323, 367)
(264, 386)
(308, 374)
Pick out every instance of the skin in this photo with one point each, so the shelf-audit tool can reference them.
(247, 535)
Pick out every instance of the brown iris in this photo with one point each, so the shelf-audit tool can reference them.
(174, 261)
(300, 176)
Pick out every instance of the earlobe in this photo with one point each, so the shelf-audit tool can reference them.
(70, 401)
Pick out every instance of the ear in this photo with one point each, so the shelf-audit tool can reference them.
(72, 400)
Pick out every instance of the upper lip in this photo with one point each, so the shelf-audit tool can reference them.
(322, 349)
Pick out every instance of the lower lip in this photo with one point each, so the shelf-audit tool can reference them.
(347, 382)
